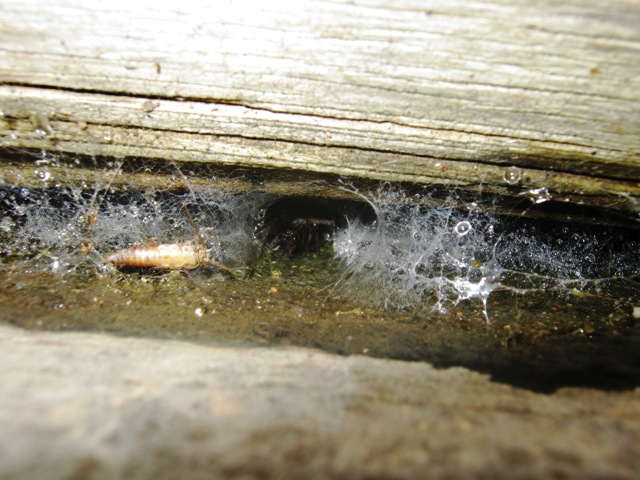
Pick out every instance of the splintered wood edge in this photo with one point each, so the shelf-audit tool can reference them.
(68, 171)
(120, 125)
(62, 136)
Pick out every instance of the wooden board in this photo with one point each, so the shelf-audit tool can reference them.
(85, 405)
(419, 91)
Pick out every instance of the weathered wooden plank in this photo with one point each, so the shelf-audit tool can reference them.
(86, 404)
(92, 124)
(442, 92)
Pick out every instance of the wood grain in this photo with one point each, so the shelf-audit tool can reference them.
(418, 91)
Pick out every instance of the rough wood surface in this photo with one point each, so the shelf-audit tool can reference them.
(82, 405)
(421, 91)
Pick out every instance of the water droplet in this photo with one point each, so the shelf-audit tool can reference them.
(463, 228)
(512, 175)
(107, 137)
(44, 175)
(24, 192)
(20, 210)
(539, 195)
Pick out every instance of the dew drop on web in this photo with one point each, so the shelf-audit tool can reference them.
(512, 175)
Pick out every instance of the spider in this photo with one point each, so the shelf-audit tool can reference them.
(296, 225)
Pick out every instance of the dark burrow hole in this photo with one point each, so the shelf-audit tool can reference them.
(297, 224)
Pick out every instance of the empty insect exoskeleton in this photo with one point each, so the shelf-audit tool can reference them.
(168, 256)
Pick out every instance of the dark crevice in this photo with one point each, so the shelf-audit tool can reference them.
(534, 341)
(586, 212)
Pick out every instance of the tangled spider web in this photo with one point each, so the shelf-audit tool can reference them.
(420, 248)
(453, 252)
(60, 228)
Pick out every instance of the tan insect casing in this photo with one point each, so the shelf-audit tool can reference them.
(174, 256)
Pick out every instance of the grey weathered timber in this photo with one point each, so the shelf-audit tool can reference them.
(86, 405)
(422, 91)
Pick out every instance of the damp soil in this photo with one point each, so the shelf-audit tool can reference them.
(536, 340)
